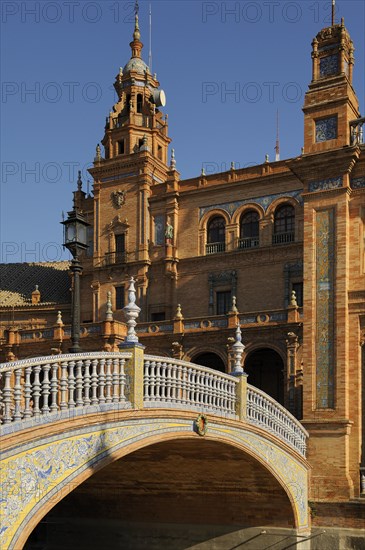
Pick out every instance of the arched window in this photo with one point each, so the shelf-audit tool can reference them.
(284, 224)
(249, 230)
(216, 235)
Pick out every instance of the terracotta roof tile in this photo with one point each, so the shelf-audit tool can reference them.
(17, 282)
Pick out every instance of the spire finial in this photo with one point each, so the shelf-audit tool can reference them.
(277, 146)
(79, 182)
(136, 34)
(333, 12)
(173, 160)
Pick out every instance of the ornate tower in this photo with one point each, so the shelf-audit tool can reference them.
(133, 161)
(329, 169)
(330, 103)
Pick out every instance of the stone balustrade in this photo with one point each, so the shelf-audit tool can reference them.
(173, 383)
(264, 411)
(47, 389)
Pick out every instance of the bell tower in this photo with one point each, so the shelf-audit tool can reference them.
(330, 103)
(133, 160)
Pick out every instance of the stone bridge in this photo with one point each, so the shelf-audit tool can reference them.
(65, 417)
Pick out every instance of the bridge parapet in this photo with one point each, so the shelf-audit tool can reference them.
(48, 389)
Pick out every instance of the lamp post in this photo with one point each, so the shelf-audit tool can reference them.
(75, 240)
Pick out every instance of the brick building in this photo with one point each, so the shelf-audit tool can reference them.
(278, 247)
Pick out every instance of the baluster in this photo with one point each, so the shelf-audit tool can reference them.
(101, 382)
(178, 384)
(54, 387)
(168, 383)
(108, 381)
(27, 393)
(63, 386)
(152, 380)
(174, 384)
(158, 382)
(17, 395)
(122, 381)
(7, 394)
(115, 380)
(71, 385)
(87, 381)
(36, 391)
(163, 382)
(94, 382)
(79, 384)
(146, 382)
(184, 385)
(45, 388)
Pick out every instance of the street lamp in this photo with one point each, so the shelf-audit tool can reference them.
(75, 239)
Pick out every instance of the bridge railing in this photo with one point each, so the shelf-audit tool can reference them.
(170, 382)
(33, 388)
(40, 389)
(264, 411)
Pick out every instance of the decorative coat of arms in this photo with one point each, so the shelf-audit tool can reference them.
(201, 424)
(118, 198)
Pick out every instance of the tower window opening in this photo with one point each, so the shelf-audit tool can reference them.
(128, 102)
(140, 143)
(159, 152)
(139, 103)
(121, 147)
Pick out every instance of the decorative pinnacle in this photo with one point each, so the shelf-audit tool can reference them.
(109, 311)
(293, 300)
(234, 305)
(98, 153)
(136, 34)
(238, 348)
(178, 315)
(173, 160)
(79, 182)
(203, 171)
(233, 167)
(131, 311)
(59, 319)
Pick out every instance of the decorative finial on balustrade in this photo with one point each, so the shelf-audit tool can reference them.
(233, 166)
(234, 305)
(266, 159)
(178, 314)
(302, 151)
(238, 348)
(36, 295)
(109, 311)
(98, 153)
(293, 299)
(203, 172)
(59, 319)
(173, 160)
(131, 311)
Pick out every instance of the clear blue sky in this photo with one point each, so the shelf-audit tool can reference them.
(68, 53)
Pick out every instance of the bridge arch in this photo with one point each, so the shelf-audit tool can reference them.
(34, 488)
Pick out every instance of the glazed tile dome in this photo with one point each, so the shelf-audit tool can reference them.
(135, 64)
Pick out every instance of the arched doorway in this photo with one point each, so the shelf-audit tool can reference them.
(211, 360)
(265, 371)
(173, 494)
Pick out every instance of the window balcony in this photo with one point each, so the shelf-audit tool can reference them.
(215, 248)
(248, 242)
(283, 238)
(112, 258)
